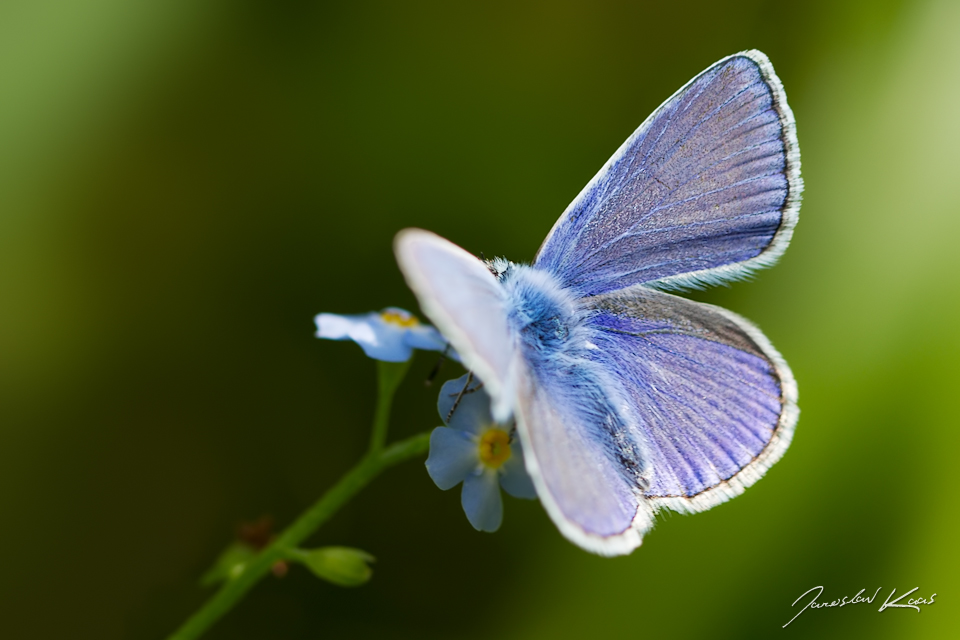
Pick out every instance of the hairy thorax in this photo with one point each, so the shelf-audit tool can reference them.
(544, 315)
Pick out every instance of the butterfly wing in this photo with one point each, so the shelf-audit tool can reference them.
(586, 471)
(460, 295)
(706, 190)
(715, 403)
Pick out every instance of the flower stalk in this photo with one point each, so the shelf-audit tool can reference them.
(377, 459)
(389, 377)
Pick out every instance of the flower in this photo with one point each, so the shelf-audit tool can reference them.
(477, 451)
(390, 335)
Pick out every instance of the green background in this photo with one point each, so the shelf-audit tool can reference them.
(184, 184)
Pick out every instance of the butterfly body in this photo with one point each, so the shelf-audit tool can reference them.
(555, 337)
(543, 314)
(629, 399)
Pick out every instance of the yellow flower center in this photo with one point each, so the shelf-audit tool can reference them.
(494, 447)
(399, 318)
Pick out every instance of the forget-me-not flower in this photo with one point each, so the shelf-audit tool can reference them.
(390, 335)
(477, 451)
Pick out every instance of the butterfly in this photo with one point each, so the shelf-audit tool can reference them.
(629, 399)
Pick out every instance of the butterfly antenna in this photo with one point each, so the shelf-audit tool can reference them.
(456, 402)
(436, 367)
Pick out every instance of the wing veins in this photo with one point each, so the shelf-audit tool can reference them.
(672, 151)
(688, 359)
(691, 436)
(669, 262)
(672, 190)
(735, 417)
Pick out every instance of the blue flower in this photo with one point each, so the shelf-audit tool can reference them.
(390, 335)
(475, 450)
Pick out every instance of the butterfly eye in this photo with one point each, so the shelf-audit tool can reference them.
(499, 267)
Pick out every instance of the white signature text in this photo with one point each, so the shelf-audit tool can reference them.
(889, 603)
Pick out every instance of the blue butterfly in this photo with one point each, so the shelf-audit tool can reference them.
(628, 399)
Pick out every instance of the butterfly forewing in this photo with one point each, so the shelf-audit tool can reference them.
(704, 191)
(460, 295)
(570, 426)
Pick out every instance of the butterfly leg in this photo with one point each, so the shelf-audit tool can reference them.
(456, 402)
(436, 368)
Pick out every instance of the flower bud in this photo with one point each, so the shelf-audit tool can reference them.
(343, 566)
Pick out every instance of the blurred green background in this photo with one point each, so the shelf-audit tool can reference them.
(184, 184)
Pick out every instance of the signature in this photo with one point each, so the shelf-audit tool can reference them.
(912, 603)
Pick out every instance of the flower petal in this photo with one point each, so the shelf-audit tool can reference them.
(473, 412)
(379, 340)
(514, 477)
(481, 501)
(427, 338)
(336, 327)
(453, 457)
(390, 335)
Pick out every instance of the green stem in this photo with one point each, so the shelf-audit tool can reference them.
(357, 478)
(377, 459)
(389, 377)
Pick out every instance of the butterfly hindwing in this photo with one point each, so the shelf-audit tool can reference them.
(715, 403)
(705, 190)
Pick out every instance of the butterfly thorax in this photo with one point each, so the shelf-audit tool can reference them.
(543, 314)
